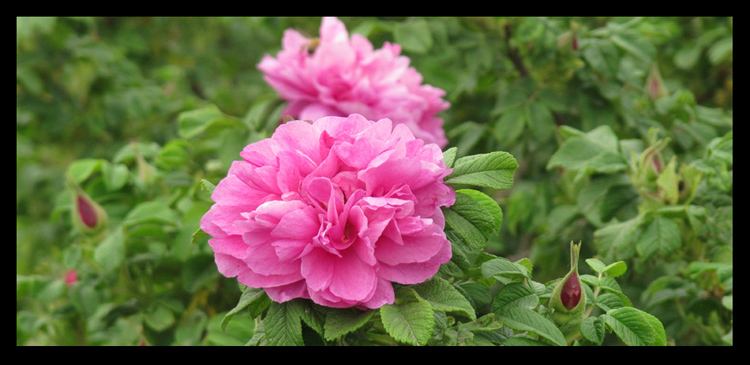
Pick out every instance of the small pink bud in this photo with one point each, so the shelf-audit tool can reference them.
(86, 212)
(71, 277)
(571, 292)
(657, 164)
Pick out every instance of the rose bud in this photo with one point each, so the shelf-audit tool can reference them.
(568, 298)
(71, 277)
(88, 216)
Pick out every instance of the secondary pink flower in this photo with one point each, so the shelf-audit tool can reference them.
(336, 75)
(333, 211)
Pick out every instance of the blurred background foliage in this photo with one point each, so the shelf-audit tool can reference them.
(137, 112)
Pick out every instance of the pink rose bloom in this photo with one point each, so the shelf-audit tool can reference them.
(333, 211)
(338, 76)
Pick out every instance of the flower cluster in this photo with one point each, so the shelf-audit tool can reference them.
(334, 210)
(336, 75)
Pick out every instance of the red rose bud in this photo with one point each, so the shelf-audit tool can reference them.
(568, 298)
(86, 212)
(570, 295)
(88, 216)
(574, 43)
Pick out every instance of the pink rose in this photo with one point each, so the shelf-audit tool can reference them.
(333, 211)
(337, 76)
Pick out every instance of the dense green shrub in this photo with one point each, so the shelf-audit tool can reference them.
(622, 129)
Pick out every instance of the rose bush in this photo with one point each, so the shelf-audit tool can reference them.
(333, 211)
(336, 75)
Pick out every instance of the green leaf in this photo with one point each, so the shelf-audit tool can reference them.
(340, 321)
(151, 212)
(115, 176)
(596, 265)
(616, 269)
(471, 220)
(488, 203)
(449, 156)
(159, 316)
(609, 301)
(283, 325)
(510, 125)
(110, 253)
(443, 296)
(540, 121)
(413, 36)
(635, 327)
(408, 320)
(616, 241)
(662, 234)
(194, 122)
(207, 185)
(81, 169)
(525, 319)
(502, 267)
(252, 299)
(491, 170)
(514, 295)
(592, 329)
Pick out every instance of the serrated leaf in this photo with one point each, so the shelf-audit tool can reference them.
(449, 156)
(662, 235)
(525, 319)
(151, 212)
(251, 297)
(596, 265)
(514, 295)
(413, 35)
(503, 267)
(635, 327)
(608, 301)
(443, 296)
(592, 329)
(470, 220)
(408, 321)
(616, 269)
(194, 122)
(207, 185)
(340, 321)
(110, 253)
(540, 121)
(283, 326)
(491, 170)
(488, 203)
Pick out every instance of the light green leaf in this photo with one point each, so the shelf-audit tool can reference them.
(540, 121)
(115, 176)
(471, 220)
(408, 320)
(491, 170)
(194, 122)
(635, 327)
(662, 235)
(283, 325)
(449, 156)
(504, 268)
(255, 299)
(510, 125)
(615, 269)
(159, 317)
(340, 321)
(443, 296)
(413, 36)
(151, 212)
(514, 294)
(525, 319)
(81, 169)
(592, 329)
(596, 265)
(110, 253)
